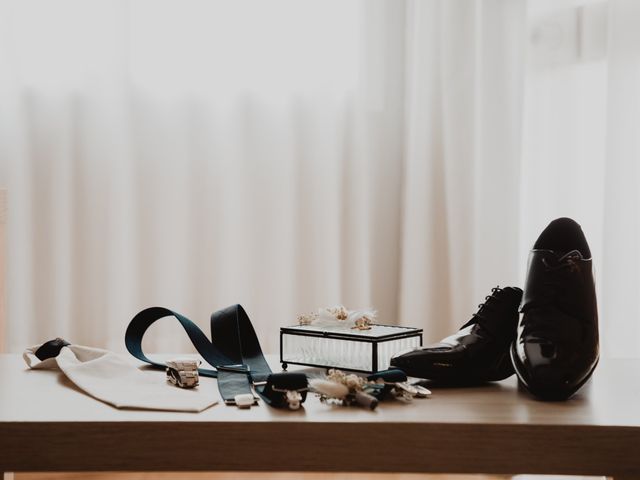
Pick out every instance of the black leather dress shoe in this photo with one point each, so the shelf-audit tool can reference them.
(478, 352)
(556, 349)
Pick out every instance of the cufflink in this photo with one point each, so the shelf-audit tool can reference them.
(408, 391)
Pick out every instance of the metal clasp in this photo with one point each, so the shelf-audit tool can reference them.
(242, 400)
(292, 397)
(237, 368)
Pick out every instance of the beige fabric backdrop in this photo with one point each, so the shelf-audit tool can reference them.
(287, 155)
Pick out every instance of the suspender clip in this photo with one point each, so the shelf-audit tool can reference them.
(238, 368)
(242, 400)
(293, 398)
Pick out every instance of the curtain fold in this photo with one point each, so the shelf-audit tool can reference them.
(620, 271)
(580, 145)
(461, 196)
(210, 154)
(286, 155)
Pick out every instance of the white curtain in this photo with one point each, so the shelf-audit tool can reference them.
(580, 153)
(461, 193)
(287, 155)
(196, 155)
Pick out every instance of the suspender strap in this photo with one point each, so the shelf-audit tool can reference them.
(233, 334)
(233, 381)
(234, 350)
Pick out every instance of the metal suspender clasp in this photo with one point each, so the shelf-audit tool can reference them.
(242, 400)
(293, 398)
(238, 368)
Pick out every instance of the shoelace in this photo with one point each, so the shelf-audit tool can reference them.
(552, 287)
(488, 304)
(554, 284)
(569, 260)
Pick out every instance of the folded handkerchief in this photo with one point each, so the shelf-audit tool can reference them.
(109, 377)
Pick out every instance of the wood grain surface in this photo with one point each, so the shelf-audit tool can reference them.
(493, 429)
(248, 475)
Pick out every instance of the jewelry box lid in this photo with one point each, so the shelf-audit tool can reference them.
(376, 332)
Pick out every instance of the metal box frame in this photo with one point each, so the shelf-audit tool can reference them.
(408, 332)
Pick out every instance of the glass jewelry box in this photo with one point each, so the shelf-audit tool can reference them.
(366, 351)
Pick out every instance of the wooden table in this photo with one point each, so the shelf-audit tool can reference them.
(48, 425)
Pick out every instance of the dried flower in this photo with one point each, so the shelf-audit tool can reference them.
(362, 323)
(339, 311)
(307, 318)
(351, 381)
(339, 316)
